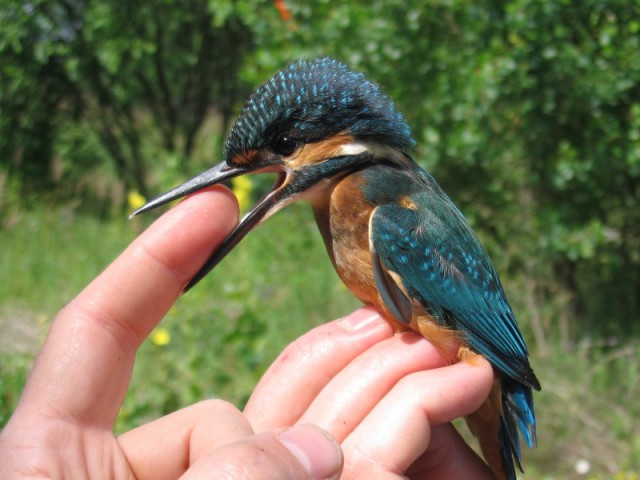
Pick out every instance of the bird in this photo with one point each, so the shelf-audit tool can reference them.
(394, 237)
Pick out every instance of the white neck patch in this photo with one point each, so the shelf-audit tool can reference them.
(376, 149)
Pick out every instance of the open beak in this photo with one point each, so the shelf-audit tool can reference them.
(269, 203)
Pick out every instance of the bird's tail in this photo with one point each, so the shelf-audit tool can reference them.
(508, 412)
(518, 419)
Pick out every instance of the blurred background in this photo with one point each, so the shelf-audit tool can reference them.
(526, 111)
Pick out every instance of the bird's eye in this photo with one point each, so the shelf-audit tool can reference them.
(284, 145)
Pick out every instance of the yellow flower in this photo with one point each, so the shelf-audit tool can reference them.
(135, 200)
(160, 337)
(242, 188)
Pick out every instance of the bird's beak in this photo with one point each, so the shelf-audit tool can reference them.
(221, 172)
(213, 176)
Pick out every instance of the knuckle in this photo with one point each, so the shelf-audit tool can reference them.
(216, 406)
(257, 460)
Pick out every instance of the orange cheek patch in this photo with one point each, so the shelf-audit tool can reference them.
(317, 152)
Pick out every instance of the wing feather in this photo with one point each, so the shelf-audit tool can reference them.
(443, 265)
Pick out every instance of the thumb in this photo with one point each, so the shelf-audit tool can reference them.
(303, 452)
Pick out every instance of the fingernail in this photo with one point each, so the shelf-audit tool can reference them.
(360, 319)
(315, 449)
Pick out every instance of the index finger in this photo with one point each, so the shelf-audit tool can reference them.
(85, 365)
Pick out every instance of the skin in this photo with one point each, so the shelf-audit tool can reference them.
(348, 399)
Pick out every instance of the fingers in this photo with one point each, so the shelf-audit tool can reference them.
(367, 380)
(300, 453)
(296, 378)
(214, 440)
(92, 344)
(408, 413)
(164, 448)
(379, 394)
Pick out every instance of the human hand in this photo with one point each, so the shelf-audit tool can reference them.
(388, 399)
(63, 425)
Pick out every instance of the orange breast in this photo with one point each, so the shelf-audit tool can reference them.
(343, 214)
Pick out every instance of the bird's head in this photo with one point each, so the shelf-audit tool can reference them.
(312, 122)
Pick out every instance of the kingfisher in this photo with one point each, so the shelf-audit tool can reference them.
(395, 238)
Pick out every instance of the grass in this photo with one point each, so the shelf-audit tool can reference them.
(218, 339)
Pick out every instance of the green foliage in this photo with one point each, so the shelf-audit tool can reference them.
(40, 242)
(142, 76)
(13, 375)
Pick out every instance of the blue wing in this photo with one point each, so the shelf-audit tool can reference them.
(444, 267)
